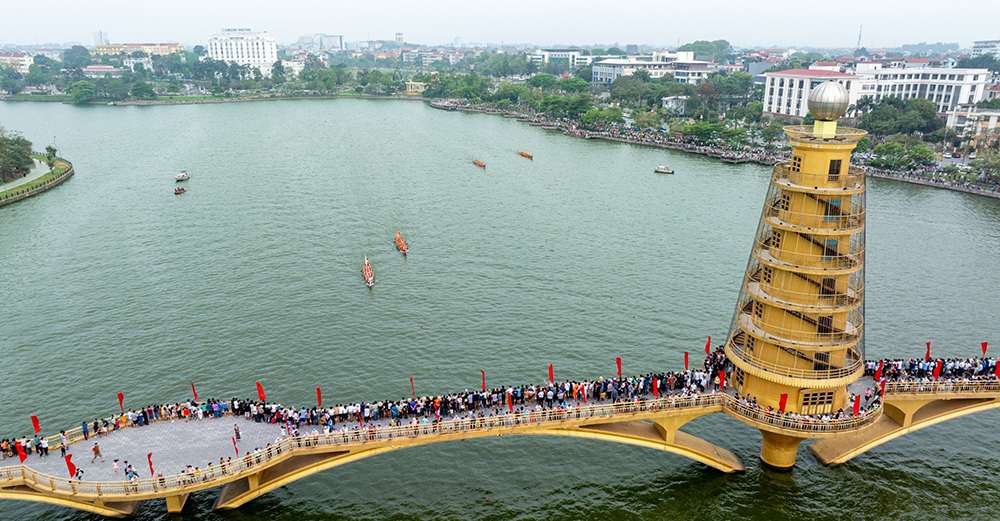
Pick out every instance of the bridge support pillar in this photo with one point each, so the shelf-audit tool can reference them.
(175, 504)
(778, 451)
(902, 411)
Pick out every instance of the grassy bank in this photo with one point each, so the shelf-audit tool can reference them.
(59, 168)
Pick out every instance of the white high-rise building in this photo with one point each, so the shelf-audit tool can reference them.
(330, 42)
(244, 47)
(986, 47)
(399, 39)
(101, 38)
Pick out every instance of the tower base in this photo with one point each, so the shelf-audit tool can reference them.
(778, 451)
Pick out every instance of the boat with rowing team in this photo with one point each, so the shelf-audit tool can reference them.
(179, 191)
(527, 155)
(663, 170)
(400, 243)
(479, 163)
(368, 274)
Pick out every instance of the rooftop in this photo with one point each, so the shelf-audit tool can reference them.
(812, 74)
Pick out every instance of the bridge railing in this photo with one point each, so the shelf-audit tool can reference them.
(801, 424)
(942, 386)
(246, 464)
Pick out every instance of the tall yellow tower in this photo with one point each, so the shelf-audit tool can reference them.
(797, 334)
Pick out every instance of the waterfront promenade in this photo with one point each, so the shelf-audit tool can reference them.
(199, 454)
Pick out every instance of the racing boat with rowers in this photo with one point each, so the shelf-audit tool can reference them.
(368, 274)
(400, 243)
(179, 191)
(479, 163)
(527, 155)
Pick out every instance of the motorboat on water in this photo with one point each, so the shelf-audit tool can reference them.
(179, 191)
(479, 163)
(663, 170)
(525, 154)
(400, 243)
(367, 272)
(183, 176)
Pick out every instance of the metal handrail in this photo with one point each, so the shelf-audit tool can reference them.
(817, 300)
(851, 365)
(943, 386)
(853, 259)
(848, 221)
(802, 424)
(849, 335)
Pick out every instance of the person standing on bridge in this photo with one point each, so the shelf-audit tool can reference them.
(97, 453)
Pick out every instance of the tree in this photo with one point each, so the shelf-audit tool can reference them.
(772, 130)
(615, 50)
(15, 155)
(50, 156)
(754, 111)
(708, 94)
(141, 89)
(919, 153)
(987, 161)
(890, 154)
(542, 81)
(199, 50)
(646, 120)
(37, 76)
(76, 57)
(81, 92)
(641, 75)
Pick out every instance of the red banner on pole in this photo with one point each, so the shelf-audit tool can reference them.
(34, 423)
(484, 378)
(782, 402)
(878, 372)
(937, 369)
(708, 346)
(984, 348)
(882, 391)
(20, 451)
(319, 398)
(194, 392)
(997, 371)
(618, 362)
(552, 378)
(510, 402)
(121, 401)
(149, 457)
(857, 405)
(928, 355)
(413, 390)
(260, 392)
(360, 421)
(656, 385)
(235, 447)
(685, 360)
(722, 380)
(583, 392)
(69, 465)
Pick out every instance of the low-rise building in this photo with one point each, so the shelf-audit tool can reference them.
(102, 71)
(980, 126)
(415, 88)
(18, 61)
(130, 62)
(677, 105)
(607, 71)
(293, 67)
(158, 49)
(568, 56)
(986, 47)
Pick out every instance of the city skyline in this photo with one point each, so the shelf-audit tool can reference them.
(886, 24)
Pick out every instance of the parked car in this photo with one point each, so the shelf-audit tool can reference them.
(946, 155)
(956, 155)
(972, 155)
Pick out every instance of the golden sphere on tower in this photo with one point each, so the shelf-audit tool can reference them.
(829, 101)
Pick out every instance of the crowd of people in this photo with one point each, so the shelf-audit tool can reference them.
(922, 370)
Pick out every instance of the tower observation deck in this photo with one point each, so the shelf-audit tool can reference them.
(797, 336)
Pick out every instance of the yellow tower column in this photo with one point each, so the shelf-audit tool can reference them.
(796, 336)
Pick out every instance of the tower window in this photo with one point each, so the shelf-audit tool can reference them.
(796, 163)
(828, 288)
(776, 239)
(751, 343)
(786, 202)
(758, 310)
(829, 249)
(766, 275)
(832, 210)
(834, 170)
(825, 325)
(817, 402)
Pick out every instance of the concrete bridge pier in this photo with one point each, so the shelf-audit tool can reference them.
(778, 451)
(175, 504)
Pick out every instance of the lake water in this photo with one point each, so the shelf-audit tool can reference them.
(111, 283)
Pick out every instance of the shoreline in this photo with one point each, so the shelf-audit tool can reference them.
(450, 105)
(129, 103)
(20, 194)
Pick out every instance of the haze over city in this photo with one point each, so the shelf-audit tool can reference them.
(645, 22)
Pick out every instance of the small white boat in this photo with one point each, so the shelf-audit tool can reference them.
(183, 176)
(662, 170)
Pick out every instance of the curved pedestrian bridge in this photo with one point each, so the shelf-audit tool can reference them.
(266, 461)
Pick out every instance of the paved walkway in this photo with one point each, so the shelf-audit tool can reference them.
(39, 170)
(174, 445)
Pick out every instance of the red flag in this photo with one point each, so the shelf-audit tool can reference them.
(360, 421)
(937, 370)
(708, 345)
(235, 447)
(149, 457)
(260, 392)
(20, 451)
(121, 401)
(413, 390)
(437, 415)
(857, 405)
(69, 465)
(997, 373)
(510, 402)
(984, 348)
(722, 380)
(34, 422)
(618, 361)
(878, 372)
(484, 378)
(782, 402)
(685, 360)
(928, 355)
(319, 398)
(583, 392)
(551, 375)
(882, 392)
(656, 385)
(193, 391)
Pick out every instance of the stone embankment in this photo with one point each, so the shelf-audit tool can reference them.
(16, 194)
